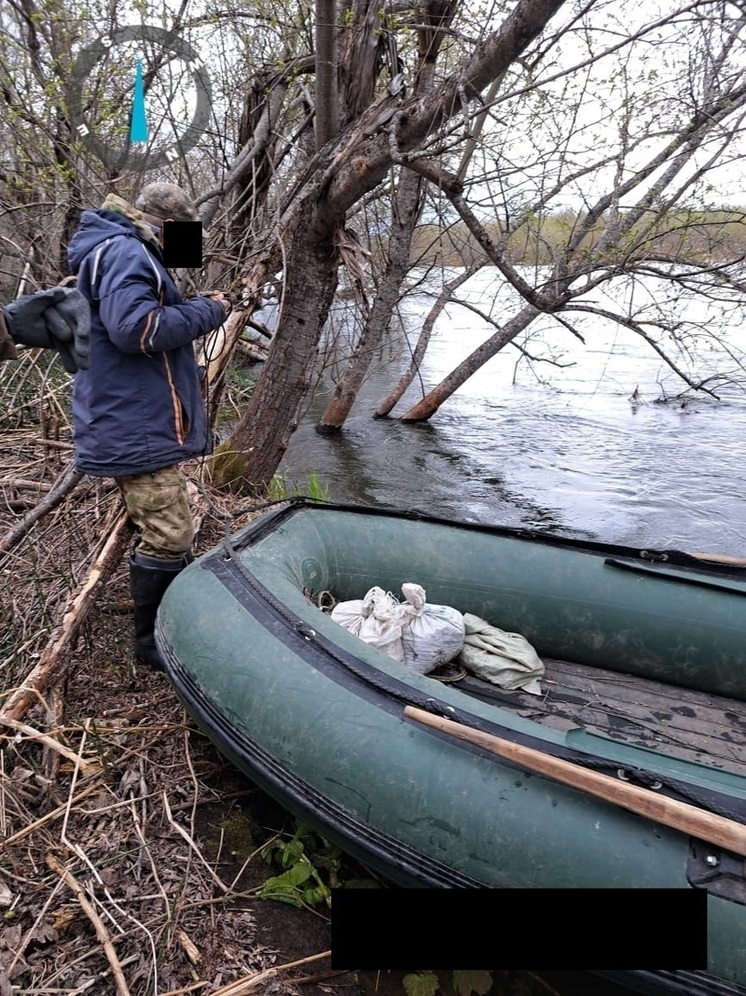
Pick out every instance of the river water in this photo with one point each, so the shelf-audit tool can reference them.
(587, 449)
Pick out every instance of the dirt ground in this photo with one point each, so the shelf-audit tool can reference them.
(131, 854)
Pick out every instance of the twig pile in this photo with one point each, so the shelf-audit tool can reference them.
(104, 884)
(115, 877)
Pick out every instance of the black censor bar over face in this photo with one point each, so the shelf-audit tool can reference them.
(182, 244)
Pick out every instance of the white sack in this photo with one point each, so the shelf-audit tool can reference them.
(431, 634)
(376, 619)
(505, 659)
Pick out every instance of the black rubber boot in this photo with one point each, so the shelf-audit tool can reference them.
(149, 579)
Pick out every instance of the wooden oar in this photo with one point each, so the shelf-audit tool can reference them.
(718, 558)
(681, 816)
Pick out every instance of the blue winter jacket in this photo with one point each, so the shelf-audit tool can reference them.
(138, 407)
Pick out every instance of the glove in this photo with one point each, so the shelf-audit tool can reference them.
(69, 323)
(59, 319)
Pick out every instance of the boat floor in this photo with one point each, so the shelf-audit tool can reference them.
(693, 726)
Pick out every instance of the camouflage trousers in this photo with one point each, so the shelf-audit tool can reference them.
(157, 504)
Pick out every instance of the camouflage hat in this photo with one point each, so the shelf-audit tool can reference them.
(166, 200)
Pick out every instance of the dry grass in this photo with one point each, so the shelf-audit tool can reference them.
(130, 853)
(105, 886)
(120, 869)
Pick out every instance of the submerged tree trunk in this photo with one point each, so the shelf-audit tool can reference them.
(406, 209)
(577, 268)
(435, 398)
(350, 166)
(407, 202)
(386, 406)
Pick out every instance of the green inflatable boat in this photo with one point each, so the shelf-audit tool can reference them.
(627, 770)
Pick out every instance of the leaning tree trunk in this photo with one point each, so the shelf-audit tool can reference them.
(407, 204)
(353, 164)
(432, 401)
(423, 341)
(407, 207)
(253, 451)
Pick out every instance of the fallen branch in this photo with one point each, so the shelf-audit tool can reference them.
(194, 988)
(255, 352)
(48, 817)
(50, 663)
(87, 767)
(61, 488)
(22, 483)
(182, 833)
(189, 947)
(101, 932)
(251, 983)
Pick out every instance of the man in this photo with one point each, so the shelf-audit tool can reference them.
(138, 411)
(52, 319)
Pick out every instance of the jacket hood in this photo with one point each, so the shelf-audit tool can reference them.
(115, 217)
(96, 227)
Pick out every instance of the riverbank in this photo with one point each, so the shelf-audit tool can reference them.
(133, 856)
(132, 860)
(718, 237)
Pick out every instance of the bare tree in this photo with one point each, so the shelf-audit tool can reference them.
(350, 166)
(506, 111)
(543, 139)
(633, 228)
(40, 184)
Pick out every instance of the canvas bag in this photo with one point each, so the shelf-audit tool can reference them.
(431, 634)
(376, 619)
(413, 632)
(505, 659)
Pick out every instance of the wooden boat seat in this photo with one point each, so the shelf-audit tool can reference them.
(691, 725)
